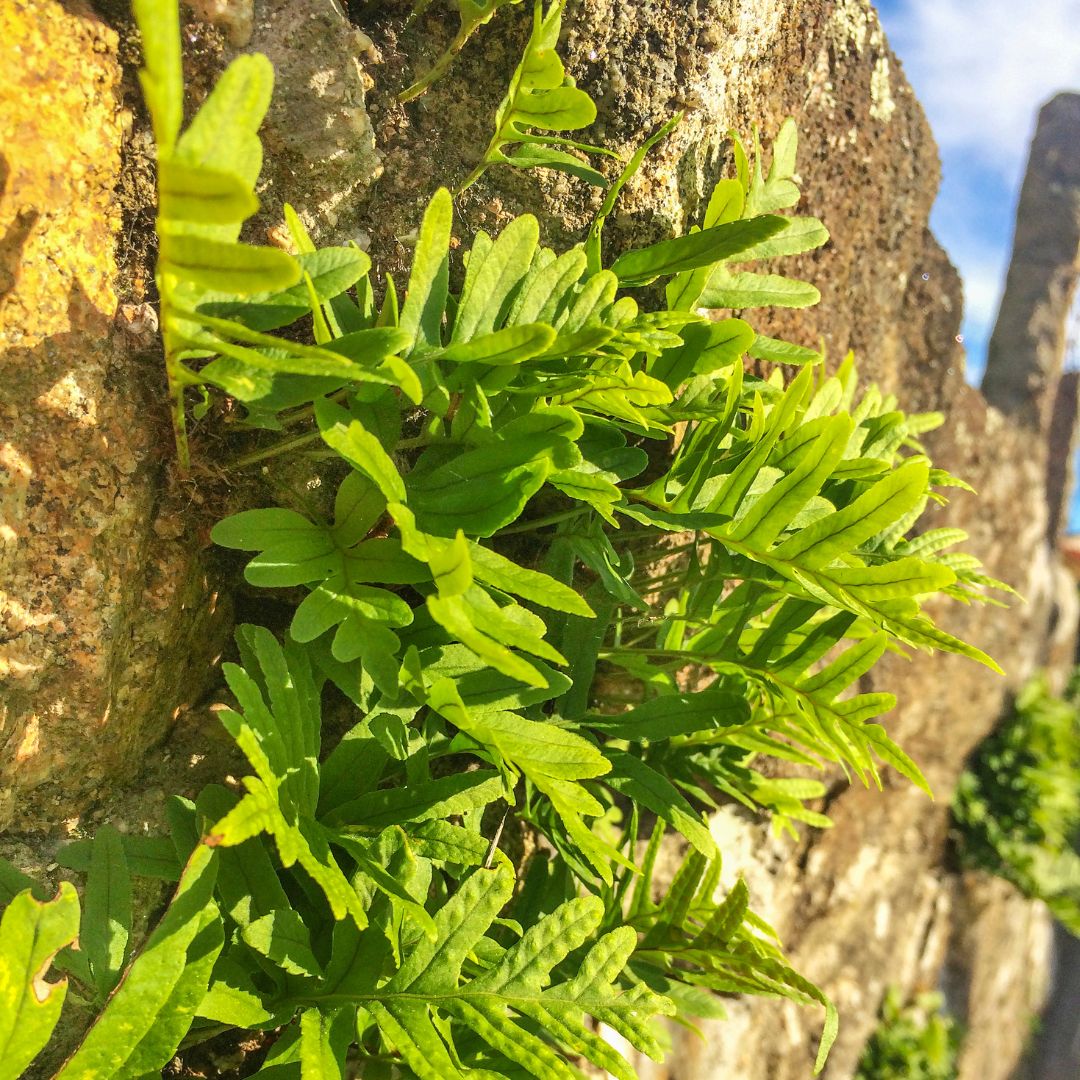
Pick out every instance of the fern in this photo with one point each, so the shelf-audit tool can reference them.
(206, 177)
(472, 14)
(541, 98)
(690, 943)
(142, 1023)
(431, 982)
(914, 1041)
(521, 569)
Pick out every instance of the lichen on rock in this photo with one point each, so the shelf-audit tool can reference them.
(103, 602)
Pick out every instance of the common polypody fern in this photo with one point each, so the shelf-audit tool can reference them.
(548, 489)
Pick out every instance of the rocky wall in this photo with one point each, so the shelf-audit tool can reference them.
(112, 613)
(107, 615)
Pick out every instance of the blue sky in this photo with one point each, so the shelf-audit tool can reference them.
(981, 69)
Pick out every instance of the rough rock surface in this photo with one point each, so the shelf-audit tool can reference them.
(1027, 348)
(317, 135)
(106, 596)
(1059, 470)
(104, 606)
(990, 911)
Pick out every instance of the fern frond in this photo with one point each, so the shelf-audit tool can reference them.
(521, 986)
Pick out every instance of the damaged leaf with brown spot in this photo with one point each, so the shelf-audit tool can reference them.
(31, 934)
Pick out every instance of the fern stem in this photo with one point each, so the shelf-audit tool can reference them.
(308, 411)
(421, 441)
(665, 654)
(441, 66)
(542, 522)
(288, 445)
(276, 450)
(179, 378)
(475, 175)
(179, 426)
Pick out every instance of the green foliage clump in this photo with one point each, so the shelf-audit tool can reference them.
(1017, 807)
(581, 573)
(912, 1042)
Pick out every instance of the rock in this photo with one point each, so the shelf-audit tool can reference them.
(1061, 439)
(992, 983)
(868, 903)
(107, 612)
(319, 143)
(320, 152)
(1027, 349)
(235, 17)
(111, 615)
(1052, 1054)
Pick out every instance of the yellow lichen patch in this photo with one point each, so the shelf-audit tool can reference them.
(850, 24)
(882, 105)
(10, 668)
(15, 475)
(17, 617)
(60, 147)
(69, 399)
(30, 743)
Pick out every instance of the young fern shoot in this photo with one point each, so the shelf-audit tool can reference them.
(206, 180)
(541, 98)
(472, 15)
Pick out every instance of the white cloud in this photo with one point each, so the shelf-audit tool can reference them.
(982, 67)
(983, 275)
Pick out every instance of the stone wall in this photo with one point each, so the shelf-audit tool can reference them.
(106, 610)
(112, 612)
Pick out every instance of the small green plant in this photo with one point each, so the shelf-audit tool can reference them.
(472, 14)
(542, 98)
(581, 571)
(912, 1042)
(206, 177)
(1017, 807)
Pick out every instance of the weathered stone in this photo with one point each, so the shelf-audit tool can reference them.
(1055, 1045)
(106, 611)
(320, 152)
(235, 17)
(992, 983)
(1027, 348)
(1061, 440)
(870, 903)
(857, 905)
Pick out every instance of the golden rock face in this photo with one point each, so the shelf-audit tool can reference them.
(61, 140)
(87, 587)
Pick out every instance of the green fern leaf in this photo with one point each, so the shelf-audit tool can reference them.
(431, 982)
(151, 1011)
